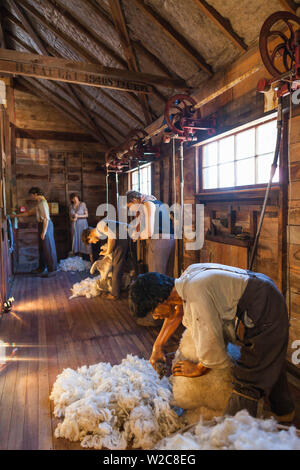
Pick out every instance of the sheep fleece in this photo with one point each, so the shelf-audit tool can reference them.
(114, 407)
(205, 396)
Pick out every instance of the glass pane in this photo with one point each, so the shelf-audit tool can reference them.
(263, 169)
(134, 178)
(245, 144)
(210, 177)
(210, 154)
(266, 137)
(226, 149)
(245, 172)
(226, 175)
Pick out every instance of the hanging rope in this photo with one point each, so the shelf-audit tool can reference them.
(117, 193)
(106, 183)
(174, 170)
(272, 173)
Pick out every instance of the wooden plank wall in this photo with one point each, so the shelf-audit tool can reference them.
(294, 230)
(57, 166)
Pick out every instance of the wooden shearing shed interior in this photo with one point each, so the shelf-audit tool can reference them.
(192, 104)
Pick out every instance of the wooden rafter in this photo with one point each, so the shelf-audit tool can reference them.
(27, 27)
(53, 68)
(19, 41)
(100, 91)
(2, 36)
(39, 44)
(176, 37)
(117, 103)
(70, 43)
(121, 28)
(62, 105)
(152, 58)
(103, 107)
(81, 25)
(289, 5)
(62, 8)
(222, 23)
(97, 8)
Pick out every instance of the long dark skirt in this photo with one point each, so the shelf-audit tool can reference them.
(47, 249)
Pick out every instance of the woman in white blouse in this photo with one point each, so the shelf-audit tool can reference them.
(47, 250)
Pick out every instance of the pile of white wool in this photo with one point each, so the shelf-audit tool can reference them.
(114, 407)
(241, 432)
(74, 263)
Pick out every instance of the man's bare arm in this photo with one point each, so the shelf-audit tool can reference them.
(168, 329)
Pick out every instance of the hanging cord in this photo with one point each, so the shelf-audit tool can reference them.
(174, 170)
(139, 177)
(181, 245)
(289, 206)
(106, 183)
(117, 193)
(272, 173)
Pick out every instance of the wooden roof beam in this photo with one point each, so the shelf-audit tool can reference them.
(27, 26)
(289, 5)
(2, 35)
(176, 37)
(62, 105)
(62, 8)
(121, 28)
(73, 45)
(53, 68)
(100, 91)
(222, 23)
(95, 5)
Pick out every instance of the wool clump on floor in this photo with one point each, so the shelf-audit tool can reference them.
(241, 432)
(88, 287)
(114, 407)
(75, 263)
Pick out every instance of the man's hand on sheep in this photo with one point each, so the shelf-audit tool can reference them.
(157, 356)
(189, 369)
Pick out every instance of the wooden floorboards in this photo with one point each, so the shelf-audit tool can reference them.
(53, 333)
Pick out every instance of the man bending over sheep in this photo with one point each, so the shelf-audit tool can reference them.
(117, 247)
(203, 299)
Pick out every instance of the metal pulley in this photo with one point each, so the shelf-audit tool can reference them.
(183, 119)
(279, 45)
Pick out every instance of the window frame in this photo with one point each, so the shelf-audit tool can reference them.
(234, 132)
(136, 169)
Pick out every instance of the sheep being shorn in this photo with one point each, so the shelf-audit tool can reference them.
(114, 407)
(204, 396)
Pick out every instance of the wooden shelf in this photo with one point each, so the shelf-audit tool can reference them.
(251, 194)
(229, 240)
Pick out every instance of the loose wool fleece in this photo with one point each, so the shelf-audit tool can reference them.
(114, 407)
(75, 263)
(90, 287)
(241, 432)
(204, 396)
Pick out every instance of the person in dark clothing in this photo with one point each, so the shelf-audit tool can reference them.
(47, 250)
(117, 245)
(203, 299)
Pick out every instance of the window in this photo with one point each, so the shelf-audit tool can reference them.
(140, 179)
(240, 159)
